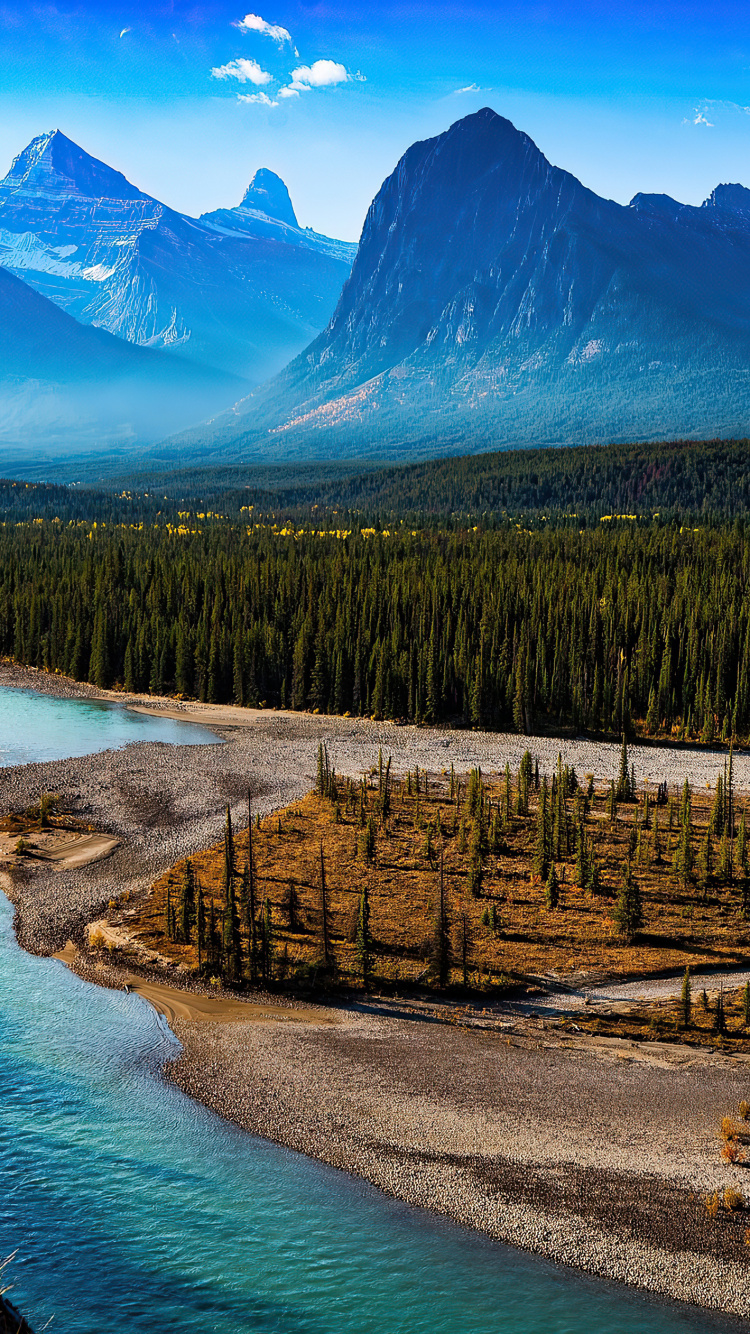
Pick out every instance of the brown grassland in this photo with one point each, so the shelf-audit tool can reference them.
(502, 936)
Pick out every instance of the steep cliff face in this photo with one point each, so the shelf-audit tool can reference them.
(495, 299)
(238, 300)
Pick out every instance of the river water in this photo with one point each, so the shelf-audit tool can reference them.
(133, 1209)
(41, 727)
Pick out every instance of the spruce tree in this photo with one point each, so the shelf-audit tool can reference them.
(232, 942)
(628, 911)
(325, 942)
(746, 1005)
(229, 859)
(187, 903)
(364, 942)
(440, 948)
(476, 869)
(552, 888)
(542, 848)
(686, 1000)
(200, 931)
(623, 780)
(268, 944)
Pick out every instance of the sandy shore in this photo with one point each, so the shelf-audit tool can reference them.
(595, 1153)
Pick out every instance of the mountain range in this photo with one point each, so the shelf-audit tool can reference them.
(495, 300)
(235, 294)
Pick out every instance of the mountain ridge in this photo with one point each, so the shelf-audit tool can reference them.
(495, 299)
(242, 300)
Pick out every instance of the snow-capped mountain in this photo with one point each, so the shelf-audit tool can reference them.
(494, 300)
(242, 298)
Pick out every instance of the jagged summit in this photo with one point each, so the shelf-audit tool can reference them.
(730, 198)
(53, 164)
(268, 194)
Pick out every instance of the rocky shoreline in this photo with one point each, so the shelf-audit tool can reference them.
(595, 1154)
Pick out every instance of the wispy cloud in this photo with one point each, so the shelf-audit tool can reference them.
(245, 71)
(322, 74)
(470, 88)
(124, 32)
(261, 98)
(716, 109)
(254, 23)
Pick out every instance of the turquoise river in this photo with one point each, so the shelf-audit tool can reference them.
(132, 1209)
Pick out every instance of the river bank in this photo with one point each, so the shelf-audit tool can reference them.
(596, 1154)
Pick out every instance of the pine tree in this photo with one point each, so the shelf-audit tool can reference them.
(682, 862)
(628, 911)
(441, 950)
(229, 858)
(623, 781)
(368, 841)
(686, 1000)
(720, 1021)
(746, 1005)
(476, 868)
(325, 943)
(268, 944)
(706, 862)
(232, 941)
(612, 803)
(552, 888)
(168, 921)
(201, 929)
(187, 903)
(465, 950)
(656, 844)
(542, 848)
(364, 943)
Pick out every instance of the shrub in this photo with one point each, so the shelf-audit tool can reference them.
(734, 1200)
(731, 1152)
(744, 1109)
(712, 1204)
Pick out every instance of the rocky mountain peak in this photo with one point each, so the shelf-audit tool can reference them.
(730, 198)
(53, 164)
(268, 194)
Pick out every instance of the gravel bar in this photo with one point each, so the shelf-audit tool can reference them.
(593, 1152)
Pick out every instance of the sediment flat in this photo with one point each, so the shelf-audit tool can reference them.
(595, 1153)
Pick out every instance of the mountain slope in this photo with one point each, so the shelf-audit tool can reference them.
(242, 299)
(63, 385)
(496, 300)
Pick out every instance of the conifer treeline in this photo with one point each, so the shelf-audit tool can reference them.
(603, 628)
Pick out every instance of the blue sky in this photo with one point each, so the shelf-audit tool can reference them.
(640, 96)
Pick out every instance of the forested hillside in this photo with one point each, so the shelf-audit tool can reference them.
(618, 626)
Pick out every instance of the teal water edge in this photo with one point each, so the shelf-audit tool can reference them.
(36, 727)
(133, 1209)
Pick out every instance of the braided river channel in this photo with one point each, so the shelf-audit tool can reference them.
(131, 1208)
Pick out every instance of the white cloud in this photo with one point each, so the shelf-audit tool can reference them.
(700, 119)
(470, 88)
(288, 92)
(261, 98)
(254, 23)
(245, 71)
(124, 32)
(322, 74)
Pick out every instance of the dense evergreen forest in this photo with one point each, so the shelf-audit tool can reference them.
(704, 480)
(615, 626)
